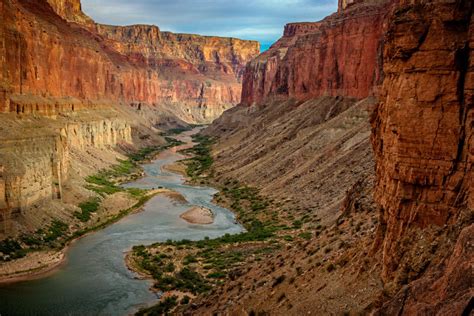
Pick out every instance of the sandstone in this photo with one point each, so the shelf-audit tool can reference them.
(49, 56)
(70, 88)
(36, 155)
(338, 56)
(416, 57)
(421, 127)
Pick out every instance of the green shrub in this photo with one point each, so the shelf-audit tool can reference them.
(185, 300)
(170, 267)
(12, 248)
(162, 308)
(55, 230)
(216, 275)
(305, 235)
(87, 208)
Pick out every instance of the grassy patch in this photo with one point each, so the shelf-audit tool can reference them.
(56, 230)
(107, 181)
(87, 208)
(189, 267)
(148, 152)
(201, 162)
(179, 130)
(11, 249)
(162, 308)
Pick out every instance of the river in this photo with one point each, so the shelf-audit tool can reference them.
(94, 280)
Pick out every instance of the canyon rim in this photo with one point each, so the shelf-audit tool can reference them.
(344, 152)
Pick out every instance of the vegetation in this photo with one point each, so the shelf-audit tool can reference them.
(148, 152)
(202, 160)
(179, 130)
(106, 181)
(11, 249)
(162, 308)
(193, 268)
(87, 208)
(49, 237)
(56, 230)
(197, 266)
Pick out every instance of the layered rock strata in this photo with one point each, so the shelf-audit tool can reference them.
(422, 137)
(56, 51)
(338, 56)
(87, 87)
(422, 134)
(35, 155)
(416, 57)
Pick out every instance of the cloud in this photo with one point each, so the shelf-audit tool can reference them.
(261, 20)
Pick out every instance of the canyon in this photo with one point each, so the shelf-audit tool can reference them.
(302, 131)
(354, 130)
(75, 96)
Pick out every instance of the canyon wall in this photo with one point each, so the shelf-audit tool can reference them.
(338, 56)
(70, 10)
(36, 160)
(423, 124)
(416, 58)
(85, 87)
(422, 138)
(48, 56)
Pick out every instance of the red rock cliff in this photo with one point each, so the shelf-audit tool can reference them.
(137, 64)
(417, 57)
(422, 138)
(423, 126)
(70, 10)
(337, 56)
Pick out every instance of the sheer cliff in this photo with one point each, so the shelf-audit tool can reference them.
(413, 254)
(334, 57)
(135, 65)
(423, 148)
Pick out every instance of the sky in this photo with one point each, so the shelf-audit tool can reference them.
(261, 20)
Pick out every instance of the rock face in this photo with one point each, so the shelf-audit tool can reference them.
(70, 10)
(422, 137)
(36, 157)
(134, 65)
(338, 56)
(416, 57)
(422, 126)
(300, 154)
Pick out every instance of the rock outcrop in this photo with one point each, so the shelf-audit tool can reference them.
(338, 56)
(35, 154)
(422, 137)
(423, 124)
(43, 53)
(70, 10)
(416, 57)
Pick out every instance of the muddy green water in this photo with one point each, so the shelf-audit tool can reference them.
(95, 280)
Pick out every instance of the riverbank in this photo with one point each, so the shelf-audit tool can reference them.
(193, 268)
(40, 264)
(110, 204)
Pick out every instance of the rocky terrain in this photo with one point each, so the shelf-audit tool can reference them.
(348, 160)
(397, 229)
(75, 96)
